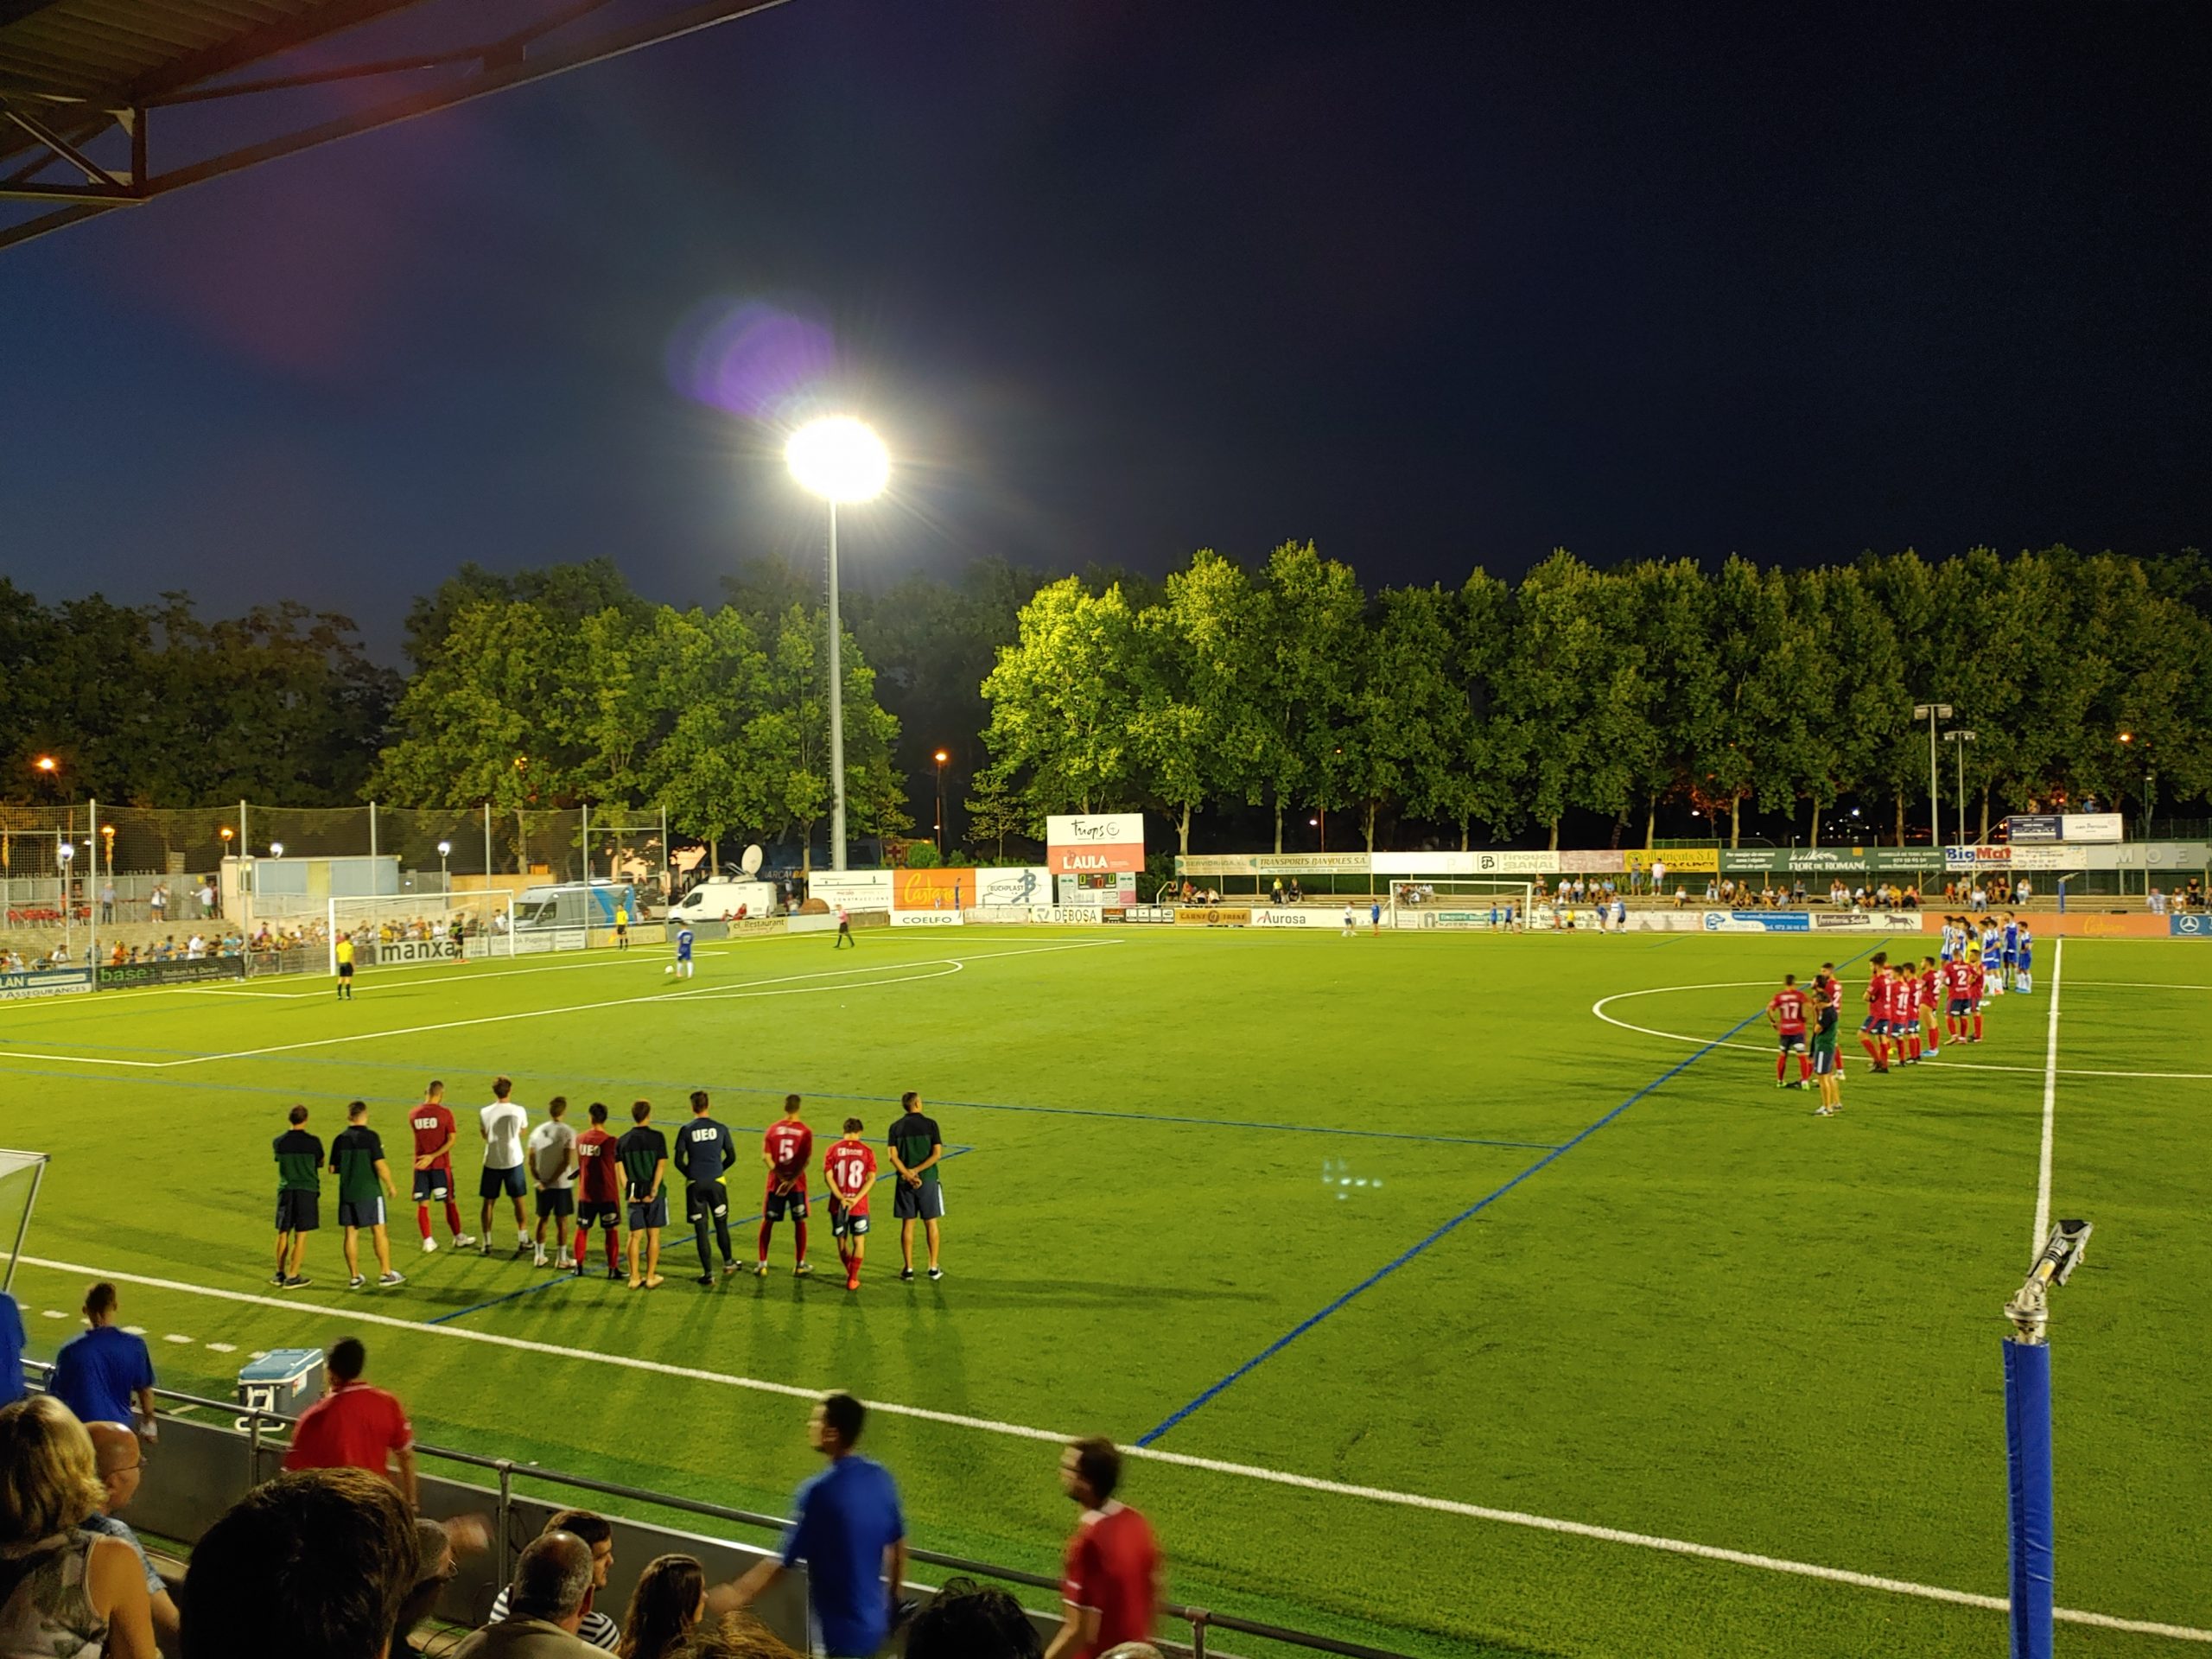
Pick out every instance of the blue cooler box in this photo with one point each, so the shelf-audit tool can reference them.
(289, 1379)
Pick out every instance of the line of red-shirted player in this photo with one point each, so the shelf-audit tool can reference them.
(1900, 1025)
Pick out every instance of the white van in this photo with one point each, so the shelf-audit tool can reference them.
(713, 900)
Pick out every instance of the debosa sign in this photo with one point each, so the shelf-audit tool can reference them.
(1095, 844)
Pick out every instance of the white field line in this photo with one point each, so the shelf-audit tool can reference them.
(1598, 1009)
(2134, 985)
(2049, 1108)
(1211, 1465)
(744, 988)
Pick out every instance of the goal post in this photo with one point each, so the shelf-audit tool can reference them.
(1461, 903)
(400, 929)
(20, 1175)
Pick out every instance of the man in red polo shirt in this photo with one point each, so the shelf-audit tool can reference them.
(1112, 1587)
(355, 1426)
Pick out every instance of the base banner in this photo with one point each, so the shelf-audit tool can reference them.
(117, 976)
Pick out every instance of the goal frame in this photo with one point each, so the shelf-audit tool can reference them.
(354, 911)
(13, 1160)
(1425, 902)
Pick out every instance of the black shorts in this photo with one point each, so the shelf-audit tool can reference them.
(923, 1203)
(1792, 1039)
(556, 1201)
(361, 1212)
(494, 1182)
(433, 1184)
(778, 1205)
(644, 1215)
(592, 1212)
(298, 1211)
(705, 1200)
(844, 1223)
(345, 970)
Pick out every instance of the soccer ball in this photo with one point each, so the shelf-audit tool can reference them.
(669, 968)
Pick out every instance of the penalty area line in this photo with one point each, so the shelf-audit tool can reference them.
(1178, 1459)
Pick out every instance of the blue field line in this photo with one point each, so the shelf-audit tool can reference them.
(1473, 1210)
(950, 1153)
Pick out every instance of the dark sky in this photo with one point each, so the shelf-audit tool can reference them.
(1433, 284)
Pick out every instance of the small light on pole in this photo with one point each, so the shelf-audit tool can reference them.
(445, 883)
(275, 849)
(941, 757)
(839, 460)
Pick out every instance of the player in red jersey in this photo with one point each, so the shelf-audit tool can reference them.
(1904, 1012)
(1977, 980)
(599, 1191)
(1874, 1029)
(786, 1149)
(1785, 1011)
(1960, 991)
(432, 1122)
(849, 1168)
(1930, 998)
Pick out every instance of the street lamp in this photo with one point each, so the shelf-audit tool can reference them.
(445, 848)
(839, 460)
(1962, 739)
(63, 852)
(2150, 779)
(275, 849)
(942, 757)
(1931, 712)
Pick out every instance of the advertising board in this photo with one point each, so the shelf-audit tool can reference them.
(117, 976)
(1149, 913)
(1091, 842)
(1211, 916)
(2188, 925)
(855, 889)
(2023, 828)
(47, 982)
(2091, 826)
(1688, 861)
(1198, 864)
(1296, 916)
(2017, 858)
(1020, 884)
(1067, 915)
(927, 917)
(393, 950)
(1457, 919)
(1757, 921)
(1827, 861)
(932, 889)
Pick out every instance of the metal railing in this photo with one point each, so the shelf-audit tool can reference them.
(254, 1423)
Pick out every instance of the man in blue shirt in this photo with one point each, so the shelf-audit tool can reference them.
(11, 1351)
(96, 1374)
(847, 1527)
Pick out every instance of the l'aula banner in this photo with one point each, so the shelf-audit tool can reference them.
(1092, 844)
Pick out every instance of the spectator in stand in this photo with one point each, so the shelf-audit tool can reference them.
(439, 1545)
(98, 1372)
(12, 1338)
(545, 1604)
(157, 903)
(669, 1599)
(847, 1527)
(1112, 1587)
(968, 1621)
(314, 1563)
(107, 899)
(120, 1457)
(69, 1592)
(731, 1637)
(598, 1534)
(355, 1426)
(2157, 901)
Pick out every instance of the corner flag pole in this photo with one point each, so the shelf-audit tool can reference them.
(2030, 1490)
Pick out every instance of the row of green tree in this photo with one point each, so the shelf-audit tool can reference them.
(1612, 693)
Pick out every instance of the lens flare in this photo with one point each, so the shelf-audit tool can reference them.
(750, 358)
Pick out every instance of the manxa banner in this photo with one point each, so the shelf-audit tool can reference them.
(1092, 842)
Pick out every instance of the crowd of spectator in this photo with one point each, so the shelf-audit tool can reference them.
(333, 1559)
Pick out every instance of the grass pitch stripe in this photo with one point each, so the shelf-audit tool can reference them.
(1471, 1211)
(1175, 1459)
(2050, 1110)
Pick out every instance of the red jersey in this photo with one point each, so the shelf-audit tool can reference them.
(1931, 980)
(1962, 980)
(850, 1169)
(1113, 1569)
(1788, 1007)
(1878, 994)
(353, 1426)
(433, 1127)
(1904, 997)
(790, 1144)
(599, 1178)
(1975, 975)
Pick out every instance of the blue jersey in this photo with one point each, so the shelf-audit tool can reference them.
(1950, 941)
(2011, 937)
(2027, 946)
(1992, 957)
(703, 1150)
(683, 944)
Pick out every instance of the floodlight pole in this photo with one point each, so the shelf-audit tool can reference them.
(1961, 740)
(1931, 712)
(837, 710)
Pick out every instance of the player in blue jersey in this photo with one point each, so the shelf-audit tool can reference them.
(1950, 945)
(682, 966)
(1993, 958)
(704, 1151)
(2027, 964)
(2012, 939)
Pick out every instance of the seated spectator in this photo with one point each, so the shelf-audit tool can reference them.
(1134, 1651)
(545, 1606)
(968, 1620)
(439, 1547)
(599, 1535)
(70, 1592)
(732, 1636)
(669, 1599)
(315, 1562)
(121, 1457)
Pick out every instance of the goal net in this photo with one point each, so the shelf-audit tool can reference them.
(394, 930)
(1460, 902)
(20, 1174)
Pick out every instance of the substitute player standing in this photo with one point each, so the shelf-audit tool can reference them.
(644, 1151)
(849, 1169)
(917, 1148)
(786, 1149)
(553, 1171)
(1785, 1011)
(501, 1125)
(1827, 1067)
(704, 1151)
(363, 1183)
(599, 1191)
(432, 1122)
(299, 1197)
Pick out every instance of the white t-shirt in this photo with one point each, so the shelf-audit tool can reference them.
(550, 1164)
(503, 1122)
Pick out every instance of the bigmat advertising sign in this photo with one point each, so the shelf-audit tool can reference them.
(1095, 844)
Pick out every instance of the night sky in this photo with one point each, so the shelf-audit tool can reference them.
(1435, 285)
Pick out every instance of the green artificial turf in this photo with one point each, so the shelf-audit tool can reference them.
(1713, 1317)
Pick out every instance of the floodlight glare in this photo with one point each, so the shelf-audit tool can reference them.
(838, 459)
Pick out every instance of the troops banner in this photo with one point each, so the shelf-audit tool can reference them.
(1095, 844)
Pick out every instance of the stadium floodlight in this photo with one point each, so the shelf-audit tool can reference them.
(840, 459)
(1962, 739)
(275, 849)
(1932, 712)
(445, 851)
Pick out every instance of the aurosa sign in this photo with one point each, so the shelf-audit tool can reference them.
(1095, 844)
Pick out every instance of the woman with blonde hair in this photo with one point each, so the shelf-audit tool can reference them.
(671, 1598)
(65, 1593)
